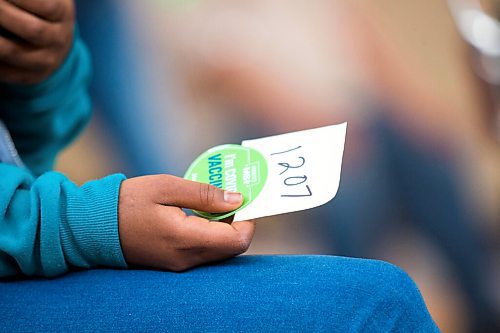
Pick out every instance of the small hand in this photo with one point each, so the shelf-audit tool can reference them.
(155, 232)
(36, 39)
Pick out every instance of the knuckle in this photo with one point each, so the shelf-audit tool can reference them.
(173, 234)
(60, 39)
(35, 31)
(63, 35)
(207, 194)
(55, 9)
(163, 184)
(50, 61)
(165, 179)
(242, 244)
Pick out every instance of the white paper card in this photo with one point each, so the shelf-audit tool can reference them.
(303, 170)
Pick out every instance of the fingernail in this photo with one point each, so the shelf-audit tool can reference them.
(232, 197)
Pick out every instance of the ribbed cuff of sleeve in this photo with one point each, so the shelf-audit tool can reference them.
(90, 231)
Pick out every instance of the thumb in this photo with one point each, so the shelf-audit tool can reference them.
(179, 192)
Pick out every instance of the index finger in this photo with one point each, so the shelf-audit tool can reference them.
(179, 192)
(51, 10)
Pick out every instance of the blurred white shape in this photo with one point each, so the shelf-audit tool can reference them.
(480, 30)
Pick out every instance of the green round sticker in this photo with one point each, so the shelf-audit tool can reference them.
(233, 168)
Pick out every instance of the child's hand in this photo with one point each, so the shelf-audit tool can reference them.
(35, 37)
(155, 232)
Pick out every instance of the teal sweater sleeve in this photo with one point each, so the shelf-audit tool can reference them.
(42, 119)
(47, 223)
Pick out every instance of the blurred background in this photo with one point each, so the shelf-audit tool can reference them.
(418, 82)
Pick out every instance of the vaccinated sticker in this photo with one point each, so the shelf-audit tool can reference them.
(277, 174)
(233, 168)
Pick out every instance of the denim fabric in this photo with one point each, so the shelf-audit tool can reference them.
(246, 294)
(404, 181)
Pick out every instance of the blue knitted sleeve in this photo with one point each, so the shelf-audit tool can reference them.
(43, 118)
(47, 223)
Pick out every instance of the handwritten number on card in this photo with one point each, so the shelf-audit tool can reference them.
(294, 180)
(308, 194)
(288, 166)
(286, 151)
